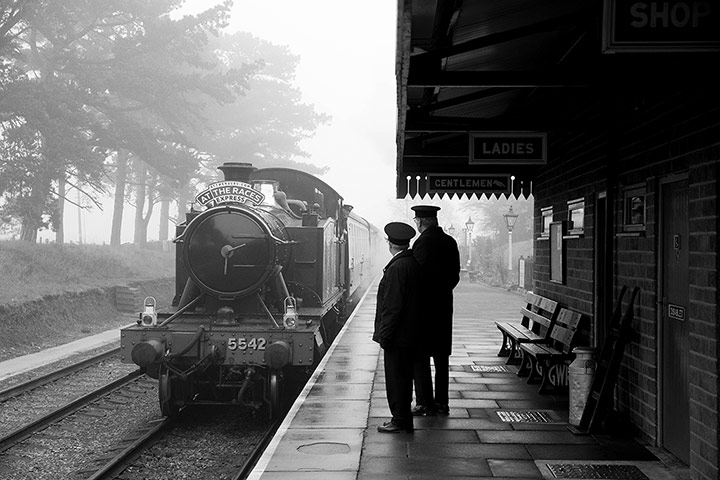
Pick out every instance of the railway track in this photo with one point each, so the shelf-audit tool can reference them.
(154, 450)
(30, 405)
(13, 438)
(67, 427)
(53, 423)
(16, 390)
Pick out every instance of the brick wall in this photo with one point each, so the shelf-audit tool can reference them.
(704, 334)
(642, 138)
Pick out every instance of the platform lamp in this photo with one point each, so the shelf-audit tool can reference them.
(451, 231)
(469, 228)
(510, 219)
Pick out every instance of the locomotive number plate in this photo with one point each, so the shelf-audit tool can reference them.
(242, 344)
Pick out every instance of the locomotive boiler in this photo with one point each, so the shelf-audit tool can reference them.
(264, 273)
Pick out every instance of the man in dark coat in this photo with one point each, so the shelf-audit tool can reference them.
(437, 253)
(396, 329)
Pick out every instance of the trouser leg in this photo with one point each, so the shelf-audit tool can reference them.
(399, 384)
(422, 377)
(442, 378)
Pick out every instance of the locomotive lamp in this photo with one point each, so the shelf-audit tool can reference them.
(148, 317)
(290, 316)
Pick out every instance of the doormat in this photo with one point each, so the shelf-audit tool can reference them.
(525, 416)
(489, 368)
(590, 471)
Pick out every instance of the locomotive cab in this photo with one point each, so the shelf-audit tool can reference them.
(259, 292)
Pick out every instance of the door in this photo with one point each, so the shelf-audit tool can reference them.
(673, 317)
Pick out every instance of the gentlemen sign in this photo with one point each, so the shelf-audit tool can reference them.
(516, 148)
(661, 25)
(449, 182)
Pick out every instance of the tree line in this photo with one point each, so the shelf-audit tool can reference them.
(132, 100)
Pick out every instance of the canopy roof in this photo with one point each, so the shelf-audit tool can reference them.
(482, 85)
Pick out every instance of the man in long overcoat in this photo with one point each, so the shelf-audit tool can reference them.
(396, 325)
(438, 254)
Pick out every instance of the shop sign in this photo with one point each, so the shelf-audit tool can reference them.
(468, 183)
(515, 148)
(661, 26)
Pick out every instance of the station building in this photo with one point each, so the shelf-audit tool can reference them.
(608, 113)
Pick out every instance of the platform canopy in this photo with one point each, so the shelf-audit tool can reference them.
(482, 85)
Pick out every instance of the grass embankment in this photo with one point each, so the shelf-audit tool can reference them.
(52, 294)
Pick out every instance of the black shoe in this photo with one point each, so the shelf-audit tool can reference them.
(443, 409)
(390, 427)
(423, 411)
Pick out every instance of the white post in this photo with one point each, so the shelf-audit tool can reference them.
(469, 248)
(510, 262)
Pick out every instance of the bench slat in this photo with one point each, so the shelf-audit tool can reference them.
(535, 325)
(535, 317)
(520, 333)
(558, 348)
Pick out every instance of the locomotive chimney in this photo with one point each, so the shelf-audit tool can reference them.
(237, 171)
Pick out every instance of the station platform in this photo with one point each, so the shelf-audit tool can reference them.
(499, 427)
(16, 366)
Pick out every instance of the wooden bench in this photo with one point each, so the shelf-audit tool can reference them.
(555, 354)
(538, 318)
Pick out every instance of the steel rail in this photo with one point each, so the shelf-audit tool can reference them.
(41, 423)
(257, 452)
(16, 390)
(126, 456)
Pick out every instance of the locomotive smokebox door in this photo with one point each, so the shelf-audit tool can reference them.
(230, 251)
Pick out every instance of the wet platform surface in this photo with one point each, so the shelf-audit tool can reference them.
(499, 427)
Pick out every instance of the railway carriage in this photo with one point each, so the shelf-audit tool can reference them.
(264, 274)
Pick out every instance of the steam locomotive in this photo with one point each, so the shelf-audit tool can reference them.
(264, 275)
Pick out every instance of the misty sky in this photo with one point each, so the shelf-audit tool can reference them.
(346, 70)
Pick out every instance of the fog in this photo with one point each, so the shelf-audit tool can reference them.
(346, 70)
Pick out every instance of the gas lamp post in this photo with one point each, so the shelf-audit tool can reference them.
(510, 219)
(469, 228)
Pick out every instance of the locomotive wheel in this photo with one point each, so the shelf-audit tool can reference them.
(168, 402)
(275, 392)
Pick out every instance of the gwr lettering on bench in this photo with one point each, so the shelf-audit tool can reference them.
(542, 358)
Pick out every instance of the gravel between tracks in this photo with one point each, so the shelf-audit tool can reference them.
(25, 408)
(206, 442)
(59, 451)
